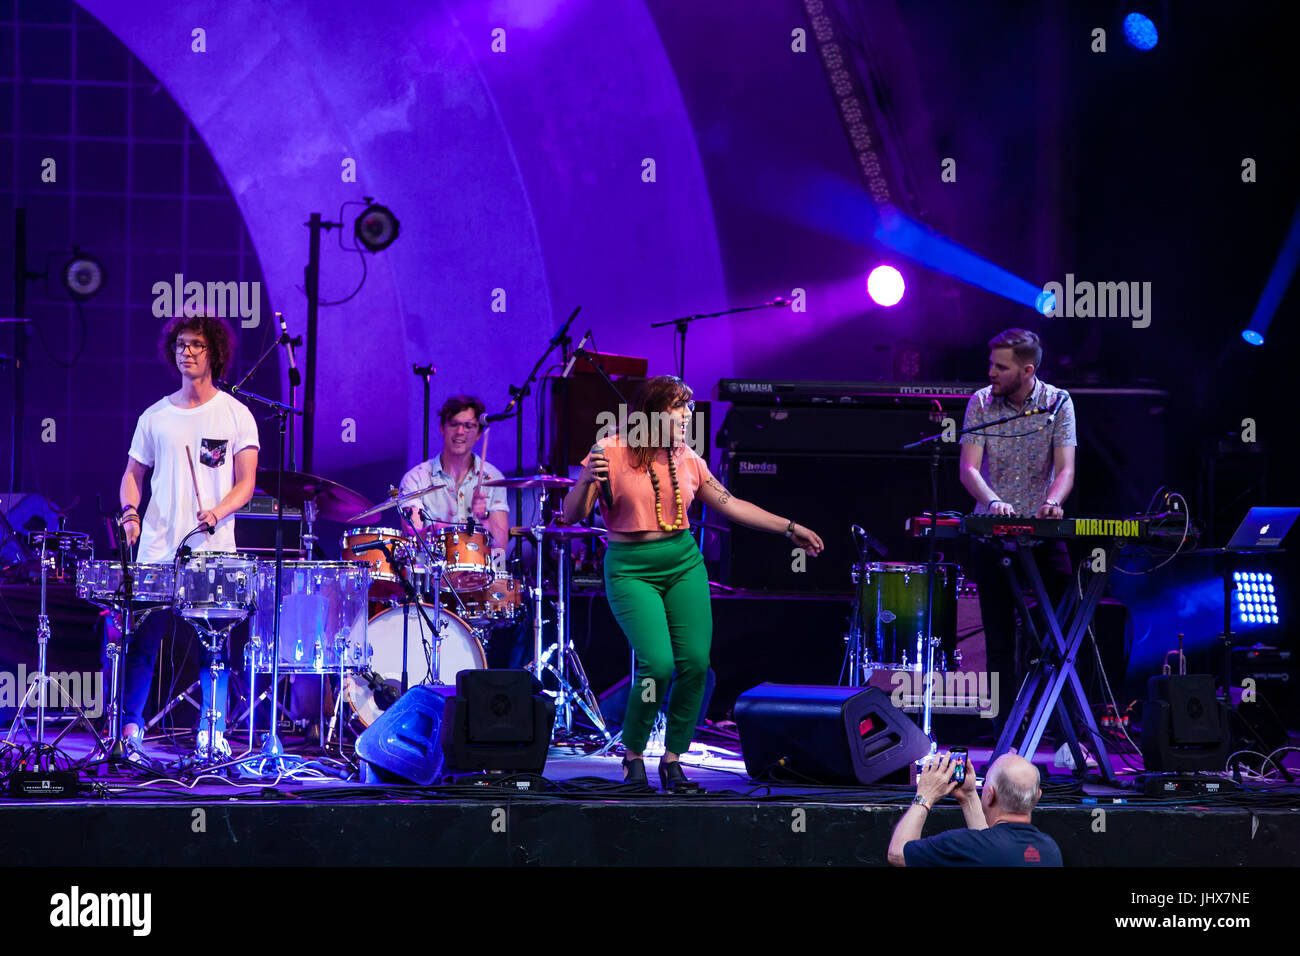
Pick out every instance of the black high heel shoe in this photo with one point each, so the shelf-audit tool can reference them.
(673, 779)
(634, 772)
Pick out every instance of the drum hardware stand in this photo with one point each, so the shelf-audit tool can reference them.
(568, 671)
(272, 747)
(855, 672)
(425, 372)
(310, 512)
(114, 750)
(42, 679)
(411, 598)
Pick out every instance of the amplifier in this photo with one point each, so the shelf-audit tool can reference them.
(577, 417)
(828, 493)
(255, 529)
(884, 428)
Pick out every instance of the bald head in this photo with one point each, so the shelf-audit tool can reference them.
(1014, 782)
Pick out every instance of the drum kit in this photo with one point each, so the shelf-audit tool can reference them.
(396, 611)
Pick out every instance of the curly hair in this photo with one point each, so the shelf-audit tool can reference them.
(655, 398)
(457, 404)
(220, 336)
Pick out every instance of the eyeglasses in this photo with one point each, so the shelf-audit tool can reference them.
(183, 348)
(466, 426)
(686, 403)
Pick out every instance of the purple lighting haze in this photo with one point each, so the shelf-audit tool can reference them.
(885, 285)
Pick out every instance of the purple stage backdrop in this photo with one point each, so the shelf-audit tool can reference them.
(518, 170)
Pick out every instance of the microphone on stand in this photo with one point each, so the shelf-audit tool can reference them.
(1059, 402)
(294, 378)
(577, 353)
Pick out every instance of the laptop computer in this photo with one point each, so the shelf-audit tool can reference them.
(1263, 528)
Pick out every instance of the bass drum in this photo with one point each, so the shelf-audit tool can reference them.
(371, 692)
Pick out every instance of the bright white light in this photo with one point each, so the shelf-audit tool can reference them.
(885, 285)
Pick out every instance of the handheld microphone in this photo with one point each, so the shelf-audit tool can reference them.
(294, 378)
(576, 353)
(606, 493)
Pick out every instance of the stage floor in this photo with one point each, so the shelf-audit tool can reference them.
(580, 813)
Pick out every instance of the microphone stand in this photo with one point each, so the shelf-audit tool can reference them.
(514, 408)
(424, 372)
(936, 452)
(272, 748)
(683, 323)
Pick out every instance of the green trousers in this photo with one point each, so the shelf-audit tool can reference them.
(659, 593)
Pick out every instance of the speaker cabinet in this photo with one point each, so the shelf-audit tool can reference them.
(832, 735)
(402, 746)
(827, 493)
(1184, 725)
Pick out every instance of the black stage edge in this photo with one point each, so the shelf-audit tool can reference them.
(580, 814)
(505, 831)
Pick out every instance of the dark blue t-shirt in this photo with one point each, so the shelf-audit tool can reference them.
(1007, 844)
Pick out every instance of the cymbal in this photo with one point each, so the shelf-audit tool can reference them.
(394, 502)
(559, 531)
(334, 502)
(539, 480)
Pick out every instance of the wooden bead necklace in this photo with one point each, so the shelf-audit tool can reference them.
(680, 521)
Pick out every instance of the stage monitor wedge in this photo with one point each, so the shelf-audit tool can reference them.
(822, 734)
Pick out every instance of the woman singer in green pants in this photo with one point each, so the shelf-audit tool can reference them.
(655, 580)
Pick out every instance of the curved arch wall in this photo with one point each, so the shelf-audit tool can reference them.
(517, 170)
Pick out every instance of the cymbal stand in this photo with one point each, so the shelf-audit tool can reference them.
(573, 689)
(114, 750)
(42, 678)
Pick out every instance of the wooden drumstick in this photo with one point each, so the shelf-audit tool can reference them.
(194, 478)
(483, 466)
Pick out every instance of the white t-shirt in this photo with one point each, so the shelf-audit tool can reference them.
(215, 432)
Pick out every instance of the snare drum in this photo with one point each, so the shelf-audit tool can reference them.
(891, 605)
(323, 612)
(384, 582)
(461, 650)
(469, 559)
(100, 582)
(500, 604)
(217, 587)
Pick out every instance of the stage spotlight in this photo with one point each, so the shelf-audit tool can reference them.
(1140, 32)
(376, 228)
(1252, 337)
(1046, 302)
(885, 285)
(83, 276)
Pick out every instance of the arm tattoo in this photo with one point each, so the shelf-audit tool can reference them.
(724, 496)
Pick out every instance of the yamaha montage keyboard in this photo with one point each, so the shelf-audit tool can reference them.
(748, 391)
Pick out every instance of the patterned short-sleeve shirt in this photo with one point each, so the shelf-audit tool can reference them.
(1018, 462)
